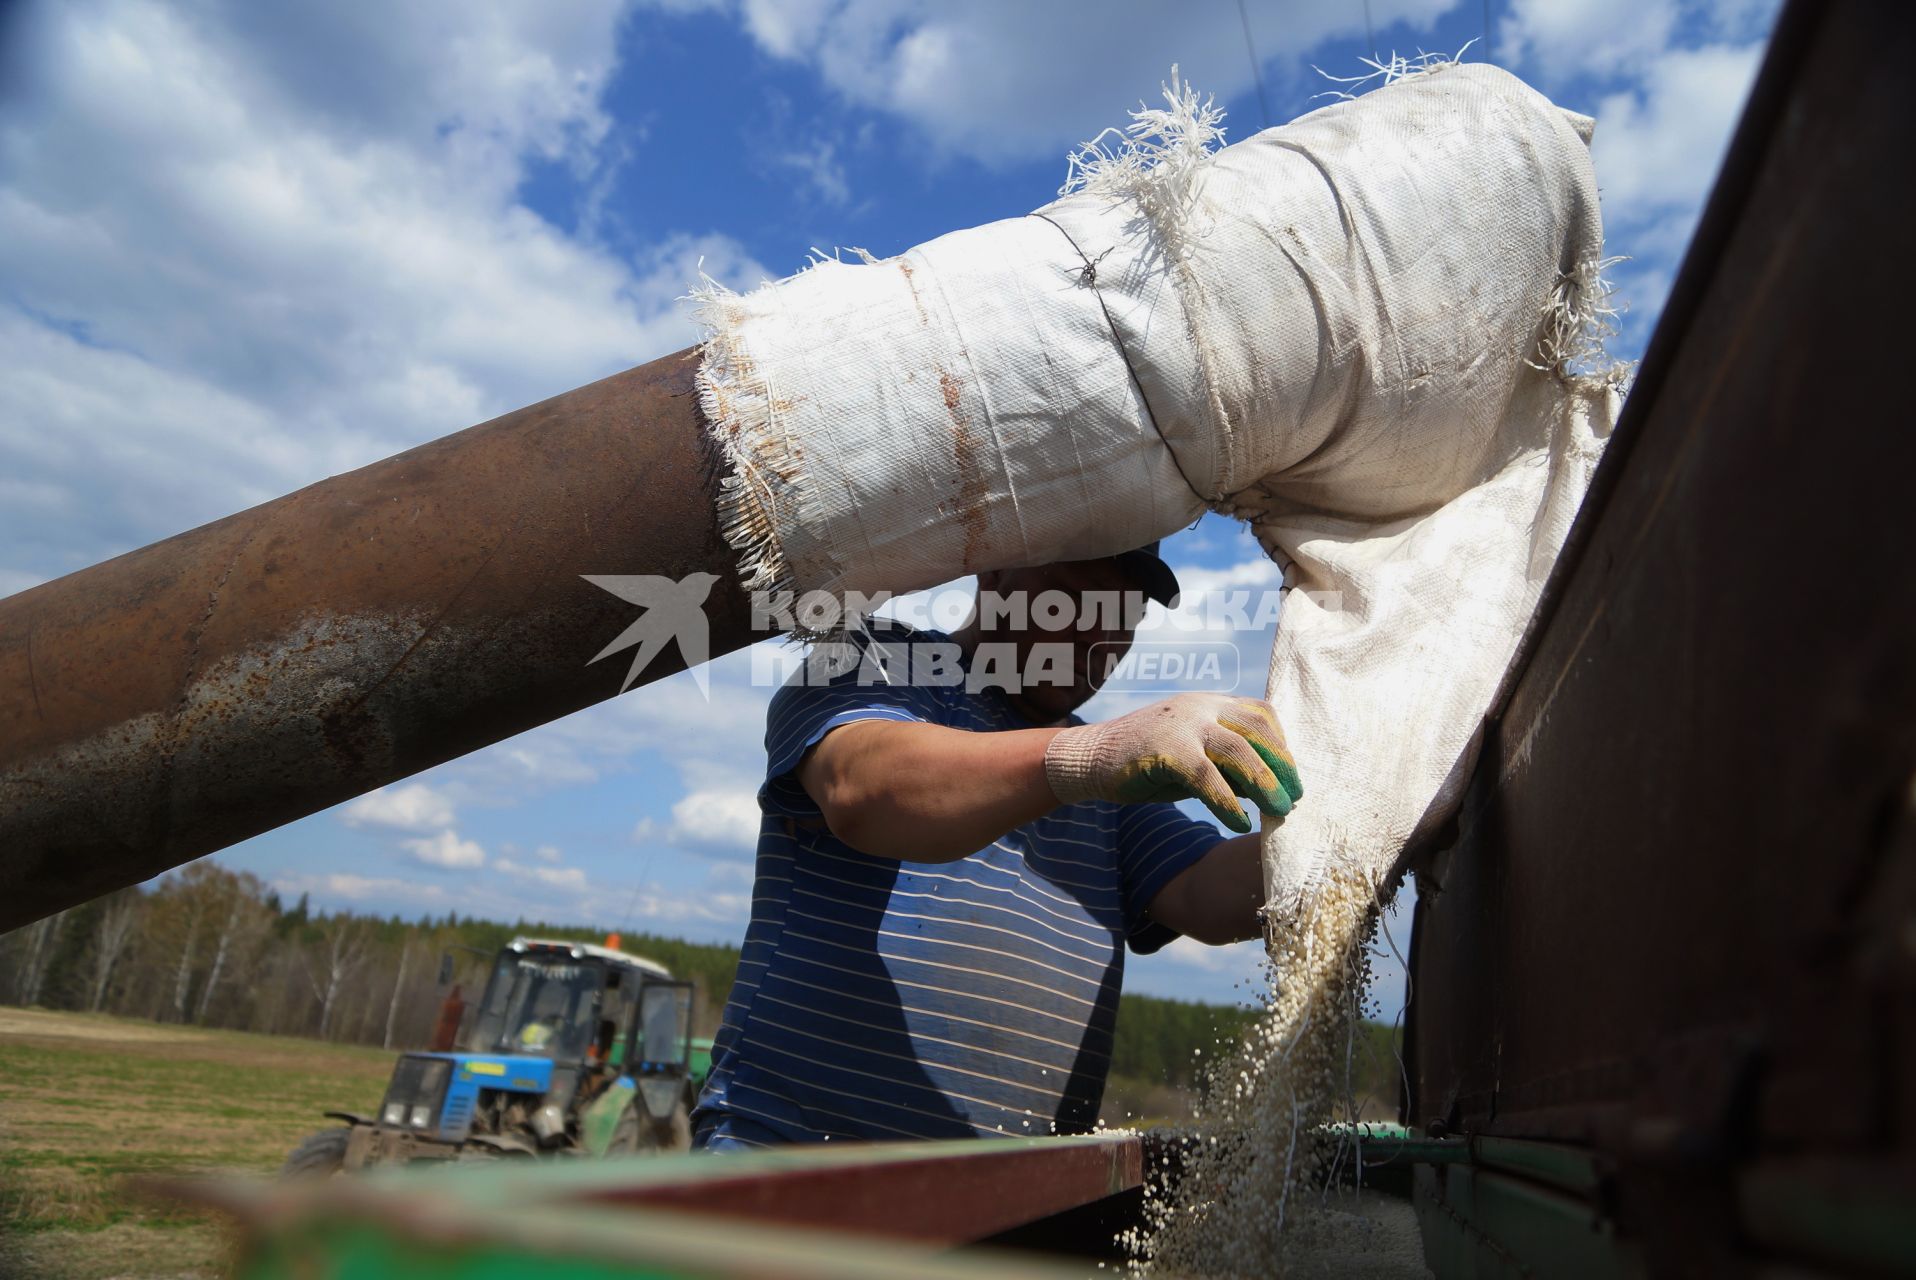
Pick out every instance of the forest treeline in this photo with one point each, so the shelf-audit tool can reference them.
(214, 947)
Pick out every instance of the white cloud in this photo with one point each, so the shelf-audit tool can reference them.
(710, 908)
(564, 901)
(732, 873)
(546, 853)
(1557, 39)
(1007, 79)
(572, 878)
(446, 849)
(822, 169)
(720, 820)
(671, 716)
(1666, 80)
(520, 898)
(1255, 572)
(532, 762)
(1659, 146)
(247, 247)
(413, 806)
(1193, 954)
(110, 450)
(1189, 970)
(1739, 20)
(358, 888)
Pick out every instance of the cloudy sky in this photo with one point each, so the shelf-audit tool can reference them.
(244, 247)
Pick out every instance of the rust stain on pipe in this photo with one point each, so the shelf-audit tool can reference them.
(190, 694)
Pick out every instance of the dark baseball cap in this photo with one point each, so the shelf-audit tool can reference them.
(1148, 568)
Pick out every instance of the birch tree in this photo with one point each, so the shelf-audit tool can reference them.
(172, 952)
(243, 924)
(399, 985)
(195, 908)
(339, 955)
(42, 940)
(112, 935)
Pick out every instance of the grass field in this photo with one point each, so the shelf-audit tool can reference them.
(87, 1100)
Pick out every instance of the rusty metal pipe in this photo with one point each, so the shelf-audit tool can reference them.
(193, 693)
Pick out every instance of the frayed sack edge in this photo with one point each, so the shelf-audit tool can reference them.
(1156, 162)
(762, 473)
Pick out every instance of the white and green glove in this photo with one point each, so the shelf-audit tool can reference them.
(1207, 746)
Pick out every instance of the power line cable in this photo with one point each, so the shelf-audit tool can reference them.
(625, 918)
(1257, 71)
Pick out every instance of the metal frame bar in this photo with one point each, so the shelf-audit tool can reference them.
(853, 1210)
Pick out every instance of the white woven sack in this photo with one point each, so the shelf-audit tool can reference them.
(1357, 331)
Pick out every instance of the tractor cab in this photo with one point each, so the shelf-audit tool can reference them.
(570, 1002)
(574, 1048)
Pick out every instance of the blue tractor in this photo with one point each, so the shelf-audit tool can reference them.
(574, 1050)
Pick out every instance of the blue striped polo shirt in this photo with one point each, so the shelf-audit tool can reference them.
(879, 999)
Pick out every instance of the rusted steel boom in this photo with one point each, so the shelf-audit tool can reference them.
(182, 697)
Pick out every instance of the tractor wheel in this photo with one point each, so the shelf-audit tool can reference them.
(639, 1134)
(320, 1156)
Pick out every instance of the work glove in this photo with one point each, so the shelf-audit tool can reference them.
(1209, 746)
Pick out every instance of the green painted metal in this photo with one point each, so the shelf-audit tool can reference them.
(1557, 1234)
(1454, 1247)
(1479, 1224)
(599, 1121)
(358, 1249)
(1383, 1156)
(1494, 1207)
(452, 1240)
(1395, 1145)
(1574, 1169)
(1853, 1217)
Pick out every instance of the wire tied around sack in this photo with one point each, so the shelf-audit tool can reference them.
(1088, 277)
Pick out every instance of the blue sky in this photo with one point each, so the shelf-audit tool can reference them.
(243, 247)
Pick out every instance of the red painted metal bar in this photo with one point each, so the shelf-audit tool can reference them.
(829, 1209)
(182, 697)
(938, 1193)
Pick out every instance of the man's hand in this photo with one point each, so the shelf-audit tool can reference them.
(1207, 746)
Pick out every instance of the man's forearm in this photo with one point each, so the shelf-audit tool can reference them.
(926, 793)
(1217, 898)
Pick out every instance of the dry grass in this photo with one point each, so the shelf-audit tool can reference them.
(87, 1100)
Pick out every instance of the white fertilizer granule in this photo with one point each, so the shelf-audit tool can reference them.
(1259, 1193)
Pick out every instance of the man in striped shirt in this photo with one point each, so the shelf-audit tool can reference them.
(951, 864)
